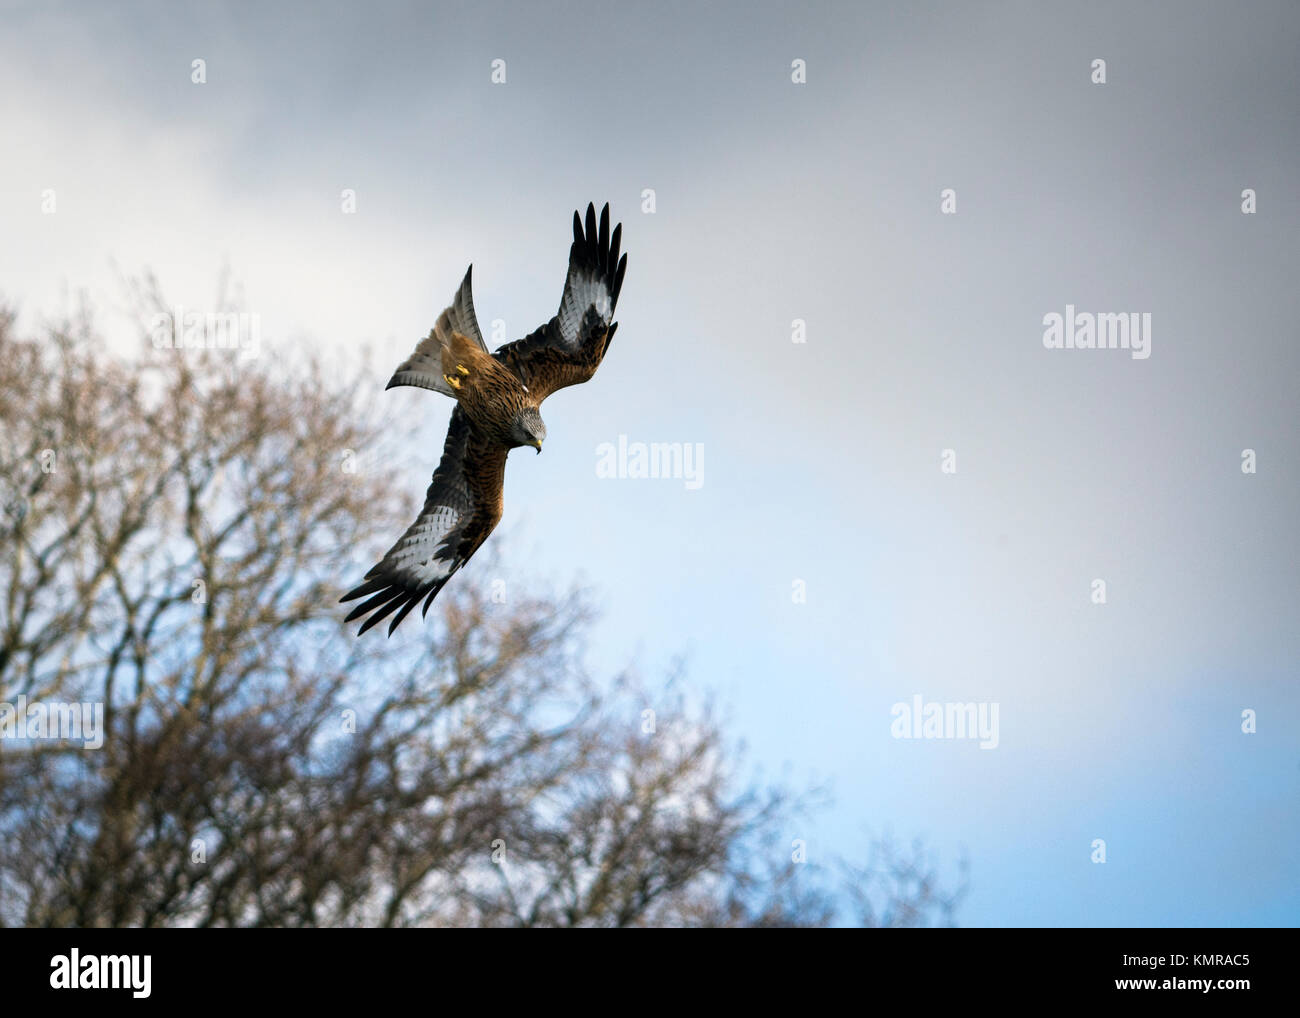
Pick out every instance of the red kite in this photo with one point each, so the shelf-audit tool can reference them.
(498, 396)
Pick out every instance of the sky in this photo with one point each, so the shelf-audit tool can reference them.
(837, 290)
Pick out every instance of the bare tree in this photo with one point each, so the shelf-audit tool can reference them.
(899, 887)
(174, 531)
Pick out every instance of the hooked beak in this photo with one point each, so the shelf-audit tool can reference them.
(537, 444)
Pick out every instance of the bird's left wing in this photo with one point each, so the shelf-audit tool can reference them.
(461, 508)
(568, 349)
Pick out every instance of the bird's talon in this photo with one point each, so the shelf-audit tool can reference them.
(453, 381)
(462, 369)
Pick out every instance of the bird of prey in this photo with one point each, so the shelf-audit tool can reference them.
(497, 396)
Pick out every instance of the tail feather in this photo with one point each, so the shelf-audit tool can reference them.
(424, 367)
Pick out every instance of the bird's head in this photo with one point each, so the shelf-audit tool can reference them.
(528, 429)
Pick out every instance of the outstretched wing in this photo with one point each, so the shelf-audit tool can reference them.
(461, 508)
(424, 367)
(568, 349)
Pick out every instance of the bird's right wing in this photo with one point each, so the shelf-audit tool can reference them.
(461, 508)
(568, 349)
(424, 367)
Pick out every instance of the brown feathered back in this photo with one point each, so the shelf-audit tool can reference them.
(489, 392)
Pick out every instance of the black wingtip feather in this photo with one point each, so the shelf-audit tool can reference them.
(367, 587)
(614, 241)
(411, 601)
(383, 597)
(618, 283)
(390, 606)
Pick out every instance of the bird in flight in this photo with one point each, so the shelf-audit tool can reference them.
(498, 396)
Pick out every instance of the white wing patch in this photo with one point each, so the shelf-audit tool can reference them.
(418, 556)
(583, 291)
